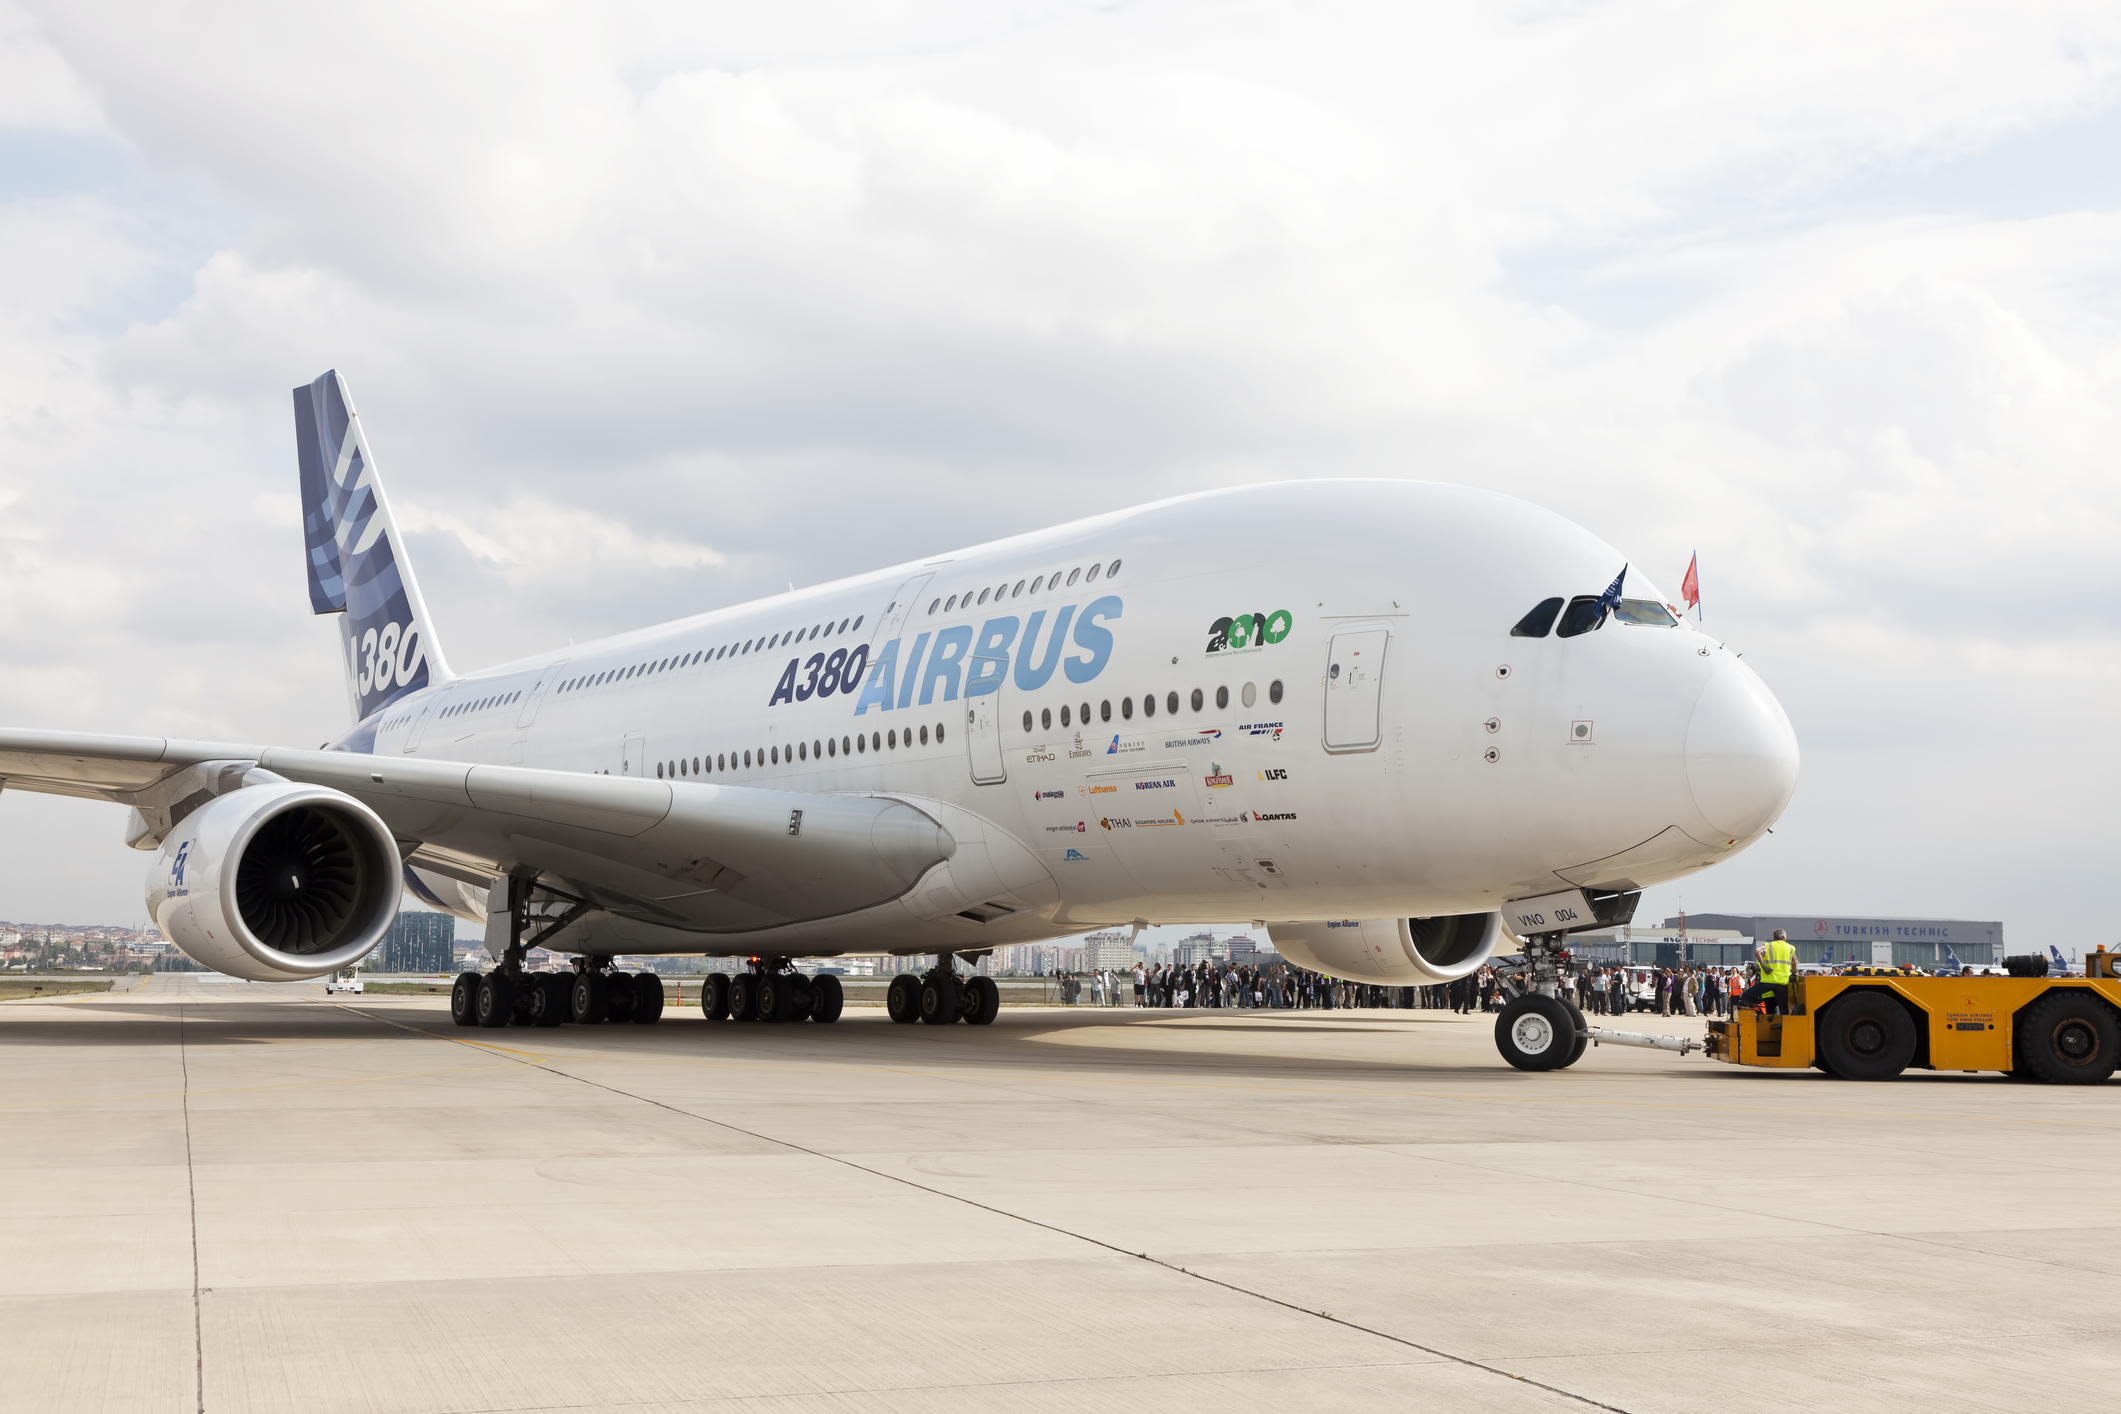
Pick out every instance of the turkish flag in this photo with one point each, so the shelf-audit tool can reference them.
(1690, 587)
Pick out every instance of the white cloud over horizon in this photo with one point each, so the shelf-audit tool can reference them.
(714, 298)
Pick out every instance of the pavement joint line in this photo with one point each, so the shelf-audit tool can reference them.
(1085, 1238)
(248, 1089)
(191, 1188)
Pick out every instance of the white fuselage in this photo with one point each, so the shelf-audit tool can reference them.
(1383, 748)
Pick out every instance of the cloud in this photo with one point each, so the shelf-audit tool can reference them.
(653, 308)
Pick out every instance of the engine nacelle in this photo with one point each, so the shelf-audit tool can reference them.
(1392, 952)
(276, 883)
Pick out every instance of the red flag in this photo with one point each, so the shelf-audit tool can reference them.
(1690, 587)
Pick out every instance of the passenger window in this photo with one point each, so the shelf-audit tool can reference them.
(1126, 709)
(861, 743)
(1084, 718)
(931, 607)
(1171, 702)
(1582, 615)
(1274, 691)
(1113, 570)
(1539, 622)
(857, 620)
(891, 739)
(1149, 705)
(1248, 694)
(924, 736)
(1073, 575)
(1222, 698)
(1064, 714)
(1196, 699)
(1014, 593)
(747, 760)
(1036, 583)
(938, 731)
(876, 741)
(1104, 710)
(951, 605)
(1027, 722)
(1093, 573)
(983, 595)
(1045, 719)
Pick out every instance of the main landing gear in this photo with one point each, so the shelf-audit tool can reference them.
(940, 996)
(1542, 1030)
(589, 995)
(771, 991)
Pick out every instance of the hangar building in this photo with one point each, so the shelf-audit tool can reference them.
(1826, 938)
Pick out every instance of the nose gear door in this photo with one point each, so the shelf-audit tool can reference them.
(1355, 670)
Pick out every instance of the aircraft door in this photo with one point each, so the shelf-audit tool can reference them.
(544, 683)
(893, 618)
(633, 756)
(1355, 670)
(983, 739)
(435, 703)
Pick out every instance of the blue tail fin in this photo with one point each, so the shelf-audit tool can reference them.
(357, 564)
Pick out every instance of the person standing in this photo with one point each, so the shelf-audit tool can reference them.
(1140, 978)
(1778, 959)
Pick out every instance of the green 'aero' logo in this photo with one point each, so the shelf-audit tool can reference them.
(1249, 631)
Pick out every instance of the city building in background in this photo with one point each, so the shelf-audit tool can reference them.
(417, 942)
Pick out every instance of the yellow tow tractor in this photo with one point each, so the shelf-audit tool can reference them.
(1873, 1025)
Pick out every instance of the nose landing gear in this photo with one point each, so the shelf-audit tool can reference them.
(1542, 1030)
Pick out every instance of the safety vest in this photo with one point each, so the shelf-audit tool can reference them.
(1776, 957)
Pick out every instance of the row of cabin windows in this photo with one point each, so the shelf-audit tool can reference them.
(482, 704)
(1002, 591)
(1248, 695)
(802, 751)
(709, 655)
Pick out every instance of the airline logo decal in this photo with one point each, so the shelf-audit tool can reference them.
(960, 661)
(1048, 794)
(1206, 736)
(1218, 777)
(1274, 815)
(1269, 730)
(1073, 855)
(1248, 633)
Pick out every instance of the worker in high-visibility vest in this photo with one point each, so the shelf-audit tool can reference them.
(1778, 959)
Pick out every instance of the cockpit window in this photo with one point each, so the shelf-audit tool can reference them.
(1582, 615)
(1644, 611)
(1539, 622)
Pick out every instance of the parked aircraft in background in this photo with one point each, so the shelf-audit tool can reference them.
(1398, 722)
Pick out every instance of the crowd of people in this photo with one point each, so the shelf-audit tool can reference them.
(1686, 990)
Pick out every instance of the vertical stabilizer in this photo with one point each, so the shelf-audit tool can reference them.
(357, 563)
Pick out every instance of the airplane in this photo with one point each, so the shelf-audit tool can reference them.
(2060, 963)
(1399, 722)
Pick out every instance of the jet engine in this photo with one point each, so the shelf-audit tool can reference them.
(1392, 952)
(276, 883)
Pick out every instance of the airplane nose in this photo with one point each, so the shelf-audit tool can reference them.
(1741, 756)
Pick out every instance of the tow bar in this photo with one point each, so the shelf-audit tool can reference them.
(1682, 1044)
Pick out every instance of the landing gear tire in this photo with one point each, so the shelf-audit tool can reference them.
(496, 1000)
(1536, 1032)
(647, 998)
(902, 1002)
(619, 998)
(548, 998)
(464, 999)
(586, 1000)
(714, 996)
(984, 1001)
(939, 999)
(1866, 1035)
(1583, 1035)
(776, 998)
(743, 997)
(2070, 1037)
(827, 998)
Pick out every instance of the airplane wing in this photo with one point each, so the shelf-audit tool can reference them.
(703, 857)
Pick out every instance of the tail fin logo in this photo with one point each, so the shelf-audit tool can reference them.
(354, 560)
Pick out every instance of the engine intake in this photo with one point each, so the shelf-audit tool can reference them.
(276, 883)
(1392, 952)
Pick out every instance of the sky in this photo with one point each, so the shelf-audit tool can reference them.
(650, 309)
